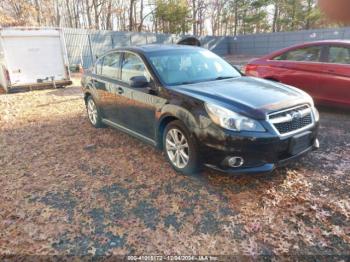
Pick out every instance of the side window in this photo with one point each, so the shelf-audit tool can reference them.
(110, 66)
(307, 54)
(133, 66)
(339, 55)
(98, 66)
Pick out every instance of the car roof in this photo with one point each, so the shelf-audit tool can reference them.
(155, 48)
(333, 41)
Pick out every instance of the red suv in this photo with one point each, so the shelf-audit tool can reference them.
(320, 68)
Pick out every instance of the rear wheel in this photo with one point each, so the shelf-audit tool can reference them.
(180, 148)
(93, 113)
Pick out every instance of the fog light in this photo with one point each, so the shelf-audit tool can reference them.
(317, 144)
(235, 161)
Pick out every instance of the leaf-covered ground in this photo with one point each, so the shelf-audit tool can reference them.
(67, 188)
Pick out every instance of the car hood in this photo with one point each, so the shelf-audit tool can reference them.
(249, 96)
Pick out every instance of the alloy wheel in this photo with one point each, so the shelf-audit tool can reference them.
(92, 111)
(177, 148)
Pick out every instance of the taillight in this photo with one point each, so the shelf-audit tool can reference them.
(6, 74)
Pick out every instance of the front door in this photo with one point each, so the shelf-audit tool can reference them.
(136, 106)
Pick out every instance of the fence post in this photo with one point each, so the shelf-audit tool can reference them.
(91, 51)
(112, 41)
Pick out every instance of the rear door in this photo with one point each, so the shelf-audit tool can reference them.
(32, 59)
(106, 83)
(335, 84)
(301, 68)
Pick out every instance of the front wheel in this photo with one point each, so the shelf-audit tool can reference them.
(180, 148)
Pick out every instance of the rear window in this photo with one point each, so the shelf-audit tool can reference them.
(339, 55)
(306, 54)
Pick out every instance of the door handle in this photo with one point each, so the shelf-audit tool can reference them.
(331, 71)
(120, 90)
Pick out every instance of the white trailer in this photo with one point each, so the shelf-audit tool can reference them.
(33, 57)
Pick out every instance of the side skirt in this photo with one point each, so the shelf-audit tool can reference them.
(130, 132)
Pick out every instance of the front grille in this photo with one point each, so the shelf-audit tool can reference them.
(293, 125)
(291, 120)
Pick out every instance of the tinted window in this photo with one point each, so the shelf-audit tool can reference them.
(177, 67)
(110, 66)
(307, 54)
(339, 55)
(133, 66)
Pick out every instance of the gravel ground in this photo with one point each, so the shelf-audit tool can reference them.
(67, 188)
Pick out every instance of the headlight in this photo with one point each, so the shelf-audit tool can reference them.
(230, 120)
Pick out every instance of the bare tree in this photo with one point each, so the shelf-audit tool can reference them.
(131, 15)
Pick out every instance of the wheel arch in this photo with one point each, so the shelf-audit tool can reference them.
(86, 96)
(171, 113)
(163, 122)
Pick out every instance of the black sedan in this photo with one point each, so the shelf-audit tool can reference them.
(199, 109)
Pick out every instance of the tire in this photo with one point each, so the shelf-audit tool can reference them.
(93, 112)
(176, 151)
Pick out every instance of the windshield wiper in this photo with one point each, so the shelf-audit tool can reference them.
(209, 80)
(184, 83)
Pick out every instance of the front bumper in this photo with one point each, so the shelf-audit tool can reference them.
(262, 153)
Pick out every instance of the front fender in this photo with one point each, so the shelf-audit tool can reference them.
(181, 114)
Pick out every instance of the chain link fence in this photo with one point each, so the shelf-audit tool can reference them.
(84, 46)
(261, 44)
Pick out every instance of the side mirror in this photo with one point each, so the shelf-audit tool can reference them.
(138, 82)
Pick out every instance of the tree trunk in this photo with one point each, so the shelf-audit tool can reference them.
(97, 15)
(135, 16)
(141, 16)
(293, 14)
(88, 13)
(194, 17)
(70, 19)
(38, 11)
(309, 10)
(236, 19)
(76, 14)
(275, 18)
(131, 13)
(109, 16)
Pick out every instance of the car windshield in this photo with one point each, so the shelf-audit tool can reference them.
(177, 67)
